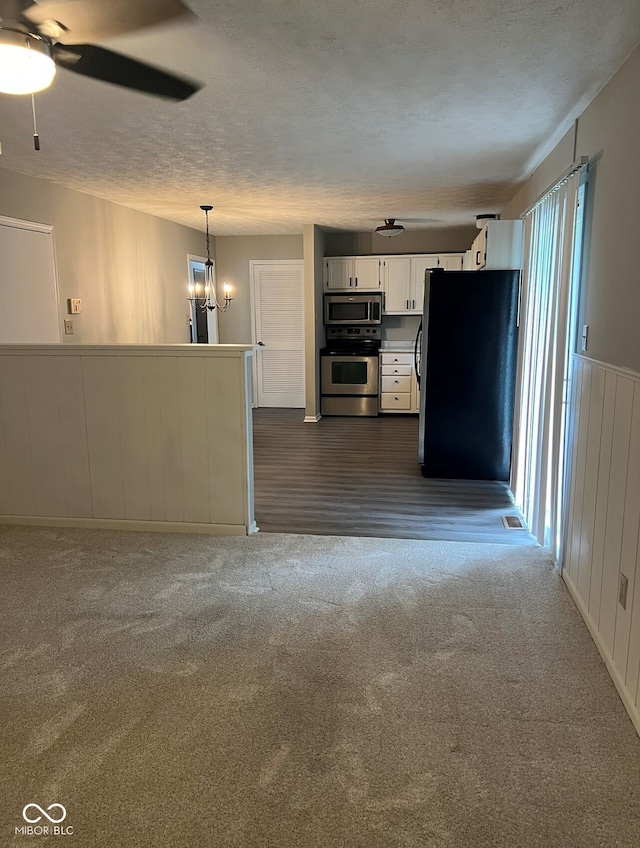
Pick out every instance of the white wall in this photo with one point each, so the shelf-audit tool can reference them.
(608, 133)
(131, 437)
(129, 268)
(604, 506)
(233, 254)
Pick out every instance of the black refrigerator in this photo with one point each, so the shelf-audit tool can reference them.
(466, 354)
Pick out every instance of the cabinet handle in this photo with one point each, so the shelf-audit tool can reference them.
(477, 257)
(356, 282)
(396, 381)
(350, 281)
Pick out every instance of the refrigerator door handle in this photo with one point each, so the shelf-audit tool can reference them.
(416, 360)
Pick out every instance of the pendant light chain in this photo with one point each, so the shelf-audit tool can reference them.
(36, 137)
(210, 288)
(206, 216)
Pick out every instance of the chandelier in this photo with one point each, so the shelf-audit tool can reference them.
(205, 296)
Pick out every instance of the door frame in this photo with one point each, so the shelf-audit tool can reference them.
(252, 301)
(201, 260)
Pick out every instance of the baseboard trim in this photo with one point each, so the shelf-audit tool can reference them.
(123, 524)
(312, 419)
(625, 695)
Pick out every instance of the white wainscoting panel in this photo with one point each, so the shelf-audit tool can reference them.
(604, 517)
(600, 516)
(147, 437)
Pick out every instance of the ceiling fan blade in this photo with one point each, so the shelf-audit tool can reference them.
(105, 65)
(97, 20)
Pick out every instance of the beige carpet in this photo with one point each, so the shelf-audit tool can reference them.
(304, 691)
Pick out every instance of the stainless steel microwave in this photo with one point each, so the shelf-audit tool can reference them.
(356, 310)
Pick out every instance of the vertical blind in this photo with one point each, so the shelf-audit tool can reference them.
(550, 281)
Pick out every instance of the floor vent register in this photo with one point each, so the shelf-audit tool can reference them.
(512, 522)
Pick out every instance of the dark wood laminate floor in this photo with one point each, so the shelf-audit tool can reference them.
(360, 477)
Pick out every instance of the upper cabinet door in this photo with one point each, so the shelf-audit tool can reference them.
(503, 245)
(498, 246)
(366, 272)
(452, 262)
(419, 264)
(339, 273)
(479, 250)
(396, 277)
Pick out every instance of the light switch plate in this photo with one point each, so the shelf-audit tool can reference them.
(74, 305)
(585, 337)
(68, 327)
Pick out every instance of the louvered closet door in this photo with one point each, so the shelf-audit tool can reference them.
(279, 325)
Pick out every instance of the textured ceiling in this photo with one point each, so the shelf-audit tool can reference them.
(335, 112)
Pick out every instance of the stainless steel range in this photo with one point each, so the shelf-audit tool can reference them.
(349, 371)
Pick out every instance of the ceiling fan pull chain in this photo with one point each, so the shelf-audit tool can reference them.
(36, 137)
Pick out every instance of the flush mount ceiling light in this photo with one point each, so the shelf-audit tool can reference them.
(390, 228)
(26, 63)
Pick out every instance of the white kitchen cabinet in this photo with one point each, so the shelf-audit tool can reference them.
(352, 272)
(452, 261)
(479, 250)
(338, 273)
(419, 265)
(398, 390)
(403, 279)
(400, 276)
(396, 282)
(498, 246)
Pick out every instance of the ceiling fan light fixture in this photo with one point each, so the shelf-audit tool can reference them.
(26, 63)
(389, 228)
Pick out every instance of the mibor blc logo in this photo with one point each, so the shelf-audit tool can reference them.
(37, 819)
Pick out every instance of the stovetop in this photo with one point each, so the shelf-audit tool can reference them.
(354, 341)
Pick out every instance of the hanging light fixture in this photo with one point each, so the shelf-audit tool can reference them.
(205, 296)
(389, 228)
(26, 63)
